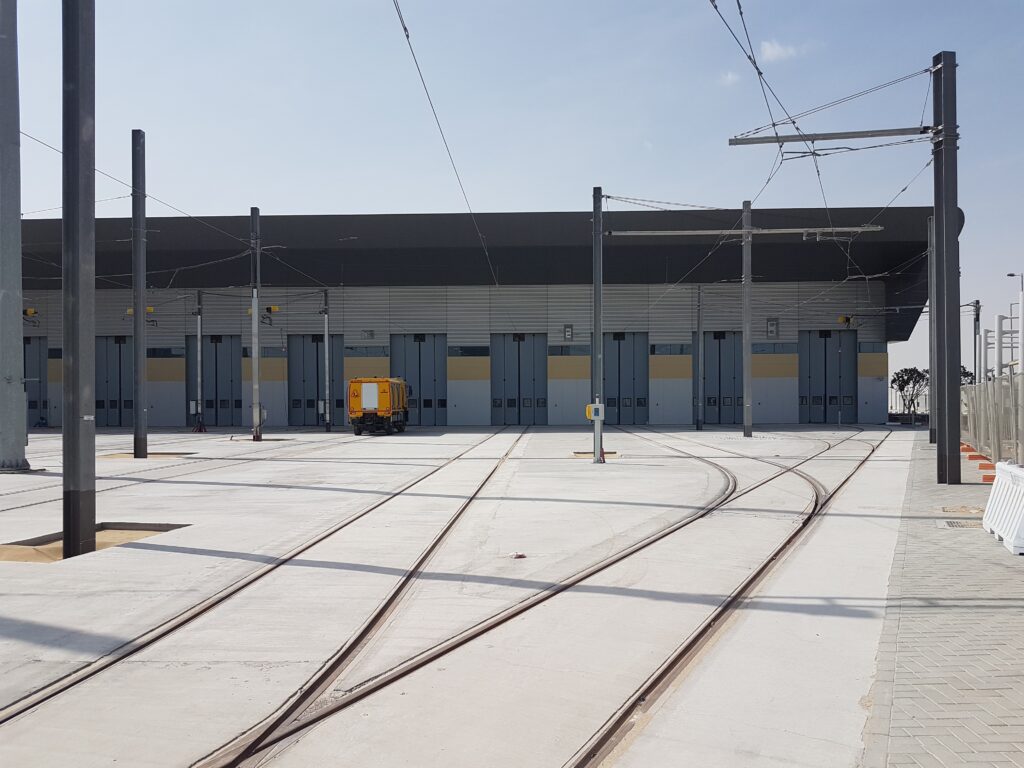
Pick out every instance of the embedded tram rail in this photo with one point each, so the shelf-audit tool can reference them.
(597, 749)
(336, 683)
(307, 710)
(165, 629)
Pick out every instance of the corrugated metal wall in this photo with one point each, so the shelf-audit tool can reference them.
(367, 316)
(468, 317)
(673, 313)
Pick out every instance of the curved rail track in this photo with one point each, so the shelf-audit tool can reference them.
(307, 707)
(600, 745)
(163, 630)
(241, 748)
(302, 711)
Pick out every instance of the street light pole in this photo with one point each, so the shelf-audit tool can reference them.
(1020, 366)
(1020, 321)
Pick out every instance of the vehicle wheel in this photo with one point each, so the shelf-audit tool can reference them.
(389, 428)
(357, 430)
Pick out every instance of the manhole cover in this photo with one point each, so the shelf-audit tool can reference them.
(960, 524)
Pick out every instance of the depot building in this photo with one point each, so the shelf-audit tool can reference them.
(495, 339)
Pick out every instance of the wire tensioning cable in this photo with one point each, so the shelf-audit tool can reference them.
(60, 207)
(149, 196)
(723, 239)
(176, 209)
(646, 203)
(149, 272)
(829, 151)
(844, 100)
(811, 150)
(295, 269)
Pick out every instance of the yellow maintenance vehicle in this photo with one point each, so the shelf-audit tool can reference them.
(378, 404)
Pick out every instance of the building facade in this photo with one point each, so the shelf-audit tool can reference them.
(501, 338)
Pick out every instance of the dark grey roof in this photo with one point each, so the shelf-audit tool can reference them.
(525, 248)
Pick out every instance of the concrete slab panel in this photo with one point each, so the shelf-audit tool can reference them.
(788, 681)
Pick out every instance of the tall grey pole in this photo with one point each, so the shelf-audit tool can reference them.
(1020, 328)
(79, 276)
(700, 358)
(1020, 374)
(141, 421)
(327, 362)
(985, 431)
(254, 356)
(597, 344)
(200, 420)
(947, 269)
(748, 363)
(997, 386)
(1000, 341)
(977, 339)
(13, 418)
(933, 374)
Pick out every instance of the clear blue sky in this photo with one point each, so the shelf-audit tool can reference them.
(313, 106)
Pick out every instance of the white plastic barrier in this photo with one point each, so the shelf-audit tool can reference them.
(1004, 512)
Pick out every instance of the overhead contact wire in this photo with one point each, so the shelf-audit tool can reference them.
(444, 139)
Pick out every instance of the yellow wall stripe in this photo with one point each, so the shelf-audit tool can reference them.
(569, 367)
(873, 364)
(776, 366)
(671, 366)
(361, 367)
(469, 368)
(271, 369)
(165, 369)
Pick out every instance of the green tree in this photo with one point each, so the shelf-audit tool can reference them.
(909, 383)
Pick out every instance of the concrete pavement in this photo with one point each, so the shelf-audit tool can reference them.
(950, 684)
(882, 639)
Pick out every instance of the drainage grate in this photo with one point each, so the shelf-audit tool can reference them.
(962, 523)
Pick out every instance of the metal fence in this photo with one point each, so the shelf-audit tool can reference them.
(992, 417)
(921, 406)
